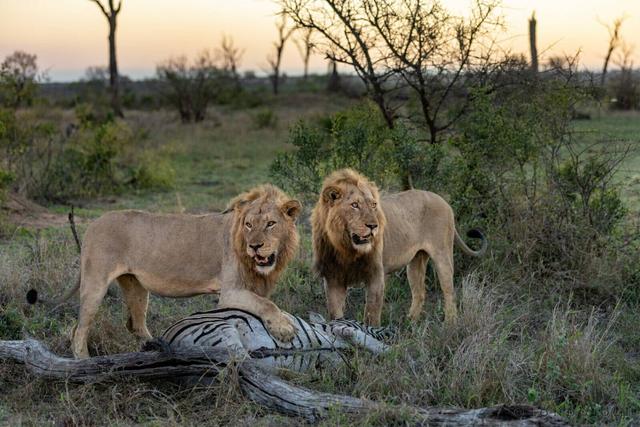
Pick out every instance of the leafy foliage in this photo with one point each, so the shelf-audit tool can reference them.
(512, 168)
(18, 79)
(357, 138)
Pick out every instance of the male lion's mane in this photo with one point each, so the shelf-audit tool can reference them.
(261, 284)
(334, 255)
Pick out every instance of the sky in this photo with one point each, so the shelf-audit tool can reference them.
(70, 35)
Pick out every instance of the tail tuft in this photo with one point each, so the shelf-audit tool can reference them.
(474, 233)
(32, 296)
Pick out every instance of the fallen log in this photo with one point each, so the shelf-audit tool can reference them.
(258, 385)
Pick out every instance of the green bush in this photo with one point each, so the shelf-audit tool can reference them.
(101, 156)
(265, 118)
(512, 167)
(357, 138)
(152, 171)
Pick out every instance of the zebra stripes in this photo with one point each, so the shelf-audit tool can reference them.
(316, 343)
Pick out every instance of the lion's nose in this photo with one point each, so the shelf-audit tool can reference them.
(256, 246)
(372, 226)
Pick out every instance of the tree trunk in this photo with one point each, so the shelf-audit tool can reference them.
(275, 80)
(203, 363)
(114, 80)
(533, 43)
(306, 66)
(607, 58)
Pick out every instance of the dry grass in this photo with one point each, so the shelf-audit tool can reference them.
(513, 343)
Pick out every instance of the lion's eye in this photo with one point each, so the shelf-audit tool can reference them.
(374, 205)
(354, 205)
(271, 224)
(248, 225)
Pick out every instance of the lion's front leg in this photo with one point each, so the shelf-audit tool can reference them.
(280, 326)
(374, 300)
(336, 295)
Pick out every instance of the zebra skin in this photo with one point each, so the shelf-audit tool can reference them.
(317, 343)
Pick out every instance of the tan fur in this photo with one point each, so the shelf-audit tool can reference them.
(185, 255)
(411, 227)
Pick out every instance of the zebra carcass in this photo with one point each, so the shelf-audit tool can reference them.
(317, 343)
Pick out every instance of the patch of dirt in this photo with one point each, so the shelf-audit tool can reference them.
(23, 212)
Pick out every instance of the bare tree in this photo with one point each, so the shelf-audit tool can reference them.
(533, 46)
(438, 55)
(305, 46)
(112, 14)
(230, 57)
(275, 58)
(18, 78)
(614, 43)
(192, 86)
(626, 85)
(333, 85)
(345, 38)
(407, 42)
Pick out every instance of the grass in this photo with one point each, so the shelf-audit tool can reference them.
(620, 130)
(515, 342)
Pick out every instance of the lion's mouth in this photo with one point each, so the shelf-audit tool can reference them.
(359, 240)
(262, 261)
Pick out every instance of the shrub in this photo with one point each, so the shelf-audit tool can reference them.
(548, 200)
(99, 157)
(18, 79)
(356, 138)
(86, 164)
(192, 87)
(152, 171)
(512, 168)
(265, 118)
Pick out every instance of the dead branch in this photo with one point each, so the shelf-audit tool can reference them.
(614, 43)
(258, 385)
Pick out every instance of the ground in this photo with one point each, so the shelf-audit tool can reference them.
(507, 347)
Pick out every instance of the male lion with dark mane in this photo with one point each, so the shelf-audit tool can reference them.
(239, 253)
(358, 237)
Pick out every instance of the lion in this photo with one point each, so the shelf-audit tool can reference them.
(359, 237)
(239, 254)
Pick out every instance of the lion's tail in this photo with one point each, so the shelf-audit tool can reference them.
(474, 234)
(33, 297)
(32, 294)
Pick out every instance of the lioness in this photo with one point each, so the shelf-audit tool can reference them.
(358, 237)
(238, 253)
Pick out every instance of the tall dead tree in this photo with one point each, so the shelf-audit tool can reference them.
(230, 56)
(614, 43)
(111, 13)
(533, 42)
(305, 47)
(333, 85)
(275, 59)
(626, 85)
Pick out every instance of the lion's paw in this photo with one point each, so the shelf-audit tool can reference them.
(282, 329)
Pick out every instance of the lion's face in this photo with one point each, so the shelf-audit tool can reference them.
(354, 218)
(266, 232)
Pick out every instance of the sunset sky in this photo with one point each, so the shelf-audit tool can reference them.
(70, 35)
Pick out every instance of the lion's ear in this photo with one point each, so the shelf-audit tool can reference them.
(292, 208)
(236, 203)
(331, 194)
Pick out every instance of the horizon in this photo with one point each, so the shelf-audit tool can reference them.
(150, 32)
